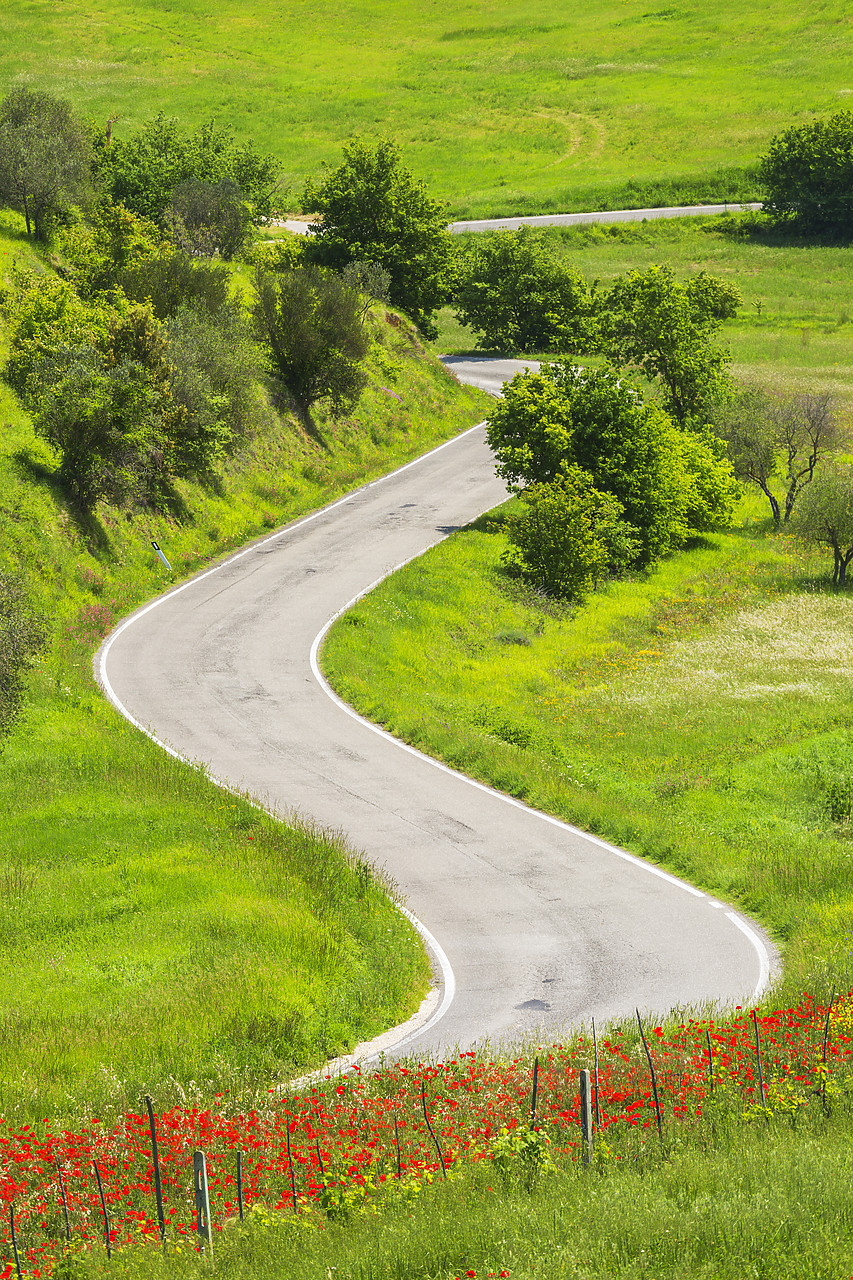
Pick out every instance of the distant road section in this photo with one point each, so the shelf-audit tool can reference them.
(568, 219)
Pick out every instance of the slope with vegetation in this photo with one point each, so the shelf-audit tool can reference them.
(157, 935)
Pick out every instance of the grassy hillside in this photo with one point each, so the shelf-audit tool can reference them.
(515, 108)
(154, 933)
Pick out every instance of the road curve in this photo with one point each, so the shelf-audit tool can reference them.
(541, 925)
(302, 227)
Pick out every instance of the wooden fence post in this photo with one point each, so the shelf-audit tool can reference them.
(204, 1227)
(155, 1157)
(586, 1118)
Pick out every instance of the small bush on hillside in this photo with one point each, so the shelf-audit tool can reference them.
(808, 175)
(172, 280)
(205, 218)
(23, 636)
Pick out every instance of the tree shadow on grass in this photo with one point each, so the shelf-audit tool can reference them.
(40, 474)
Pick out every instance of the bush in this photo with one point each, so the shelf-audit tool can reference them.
(570, 537)
(45, 156)
(172, 280)
(204, 218)
(23, 635)
(808, 175)
(310, 321)
(517, 295)
(112, 241)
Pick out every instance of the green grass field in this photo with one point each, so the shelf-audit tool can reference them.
(155, 933)
(517, 108)
(796, 322)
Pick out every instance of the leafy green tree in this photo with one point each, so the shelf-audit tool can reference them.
(45, 155)
(23, 636)
(100, 419)
(144, 170)
(663, 327)
(824, 516)
(785, 436)
(373, 209)
(204, 218)
(45, 314)
(570, 537)
(518, 295)
(593, 419)
(808, 175)
(310, 321)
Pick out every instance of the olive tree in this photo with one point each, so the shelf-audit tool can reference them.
(45, 155)
(825, 517)
(310, 321)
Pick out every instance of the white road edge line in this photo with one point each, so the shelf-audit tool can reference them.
(99, 663)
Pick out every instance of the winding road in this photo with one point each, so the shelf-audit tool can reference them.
(532, 923)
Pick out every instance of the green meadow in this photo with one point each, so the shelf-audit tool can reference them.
(513, 108)
(796, 323)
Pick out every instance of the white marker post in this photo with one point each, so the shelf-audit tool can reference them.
(160, 554)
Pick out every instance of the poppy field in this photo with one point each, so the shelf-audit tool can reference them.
(349, 1143)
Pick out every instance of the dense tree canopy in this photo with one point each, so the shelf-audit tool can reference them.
(808, 175)
(45, 156)
(517, 295)
(664, 328)
(372, 209)
(670, 483)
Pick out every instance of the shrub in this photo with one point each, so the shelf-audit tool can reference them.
(808, 175)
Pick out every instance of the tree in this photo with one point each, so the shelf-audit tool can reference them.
(825, 517)
(373, 209)
(144, 170)
(100, 419)
(109, 243)
(517, 295)
(171, 280)
(23, 636)
(663, 327)
(45, 155)
(788, 436)
(593, 419)
(204, 218)
(808, 175)
(311, 323)
(570, 536)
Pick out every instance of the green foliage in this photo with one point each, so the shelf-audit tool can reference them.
(516, 294)
(144, 171)
(45, 313)
(213, 379)
(204, 218)
(808, 175)
(654, 323)
(570, 536)
(521, 1155)
(45, 156)
(23, 636)
(590, 418)
(824, 516)
(373, 209)
(171, 280)
(110, 242)
(311, 322)
(100, 419)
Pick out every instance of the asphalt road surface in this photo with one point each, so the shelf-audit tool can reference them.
(302, 227)
(534, 924)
